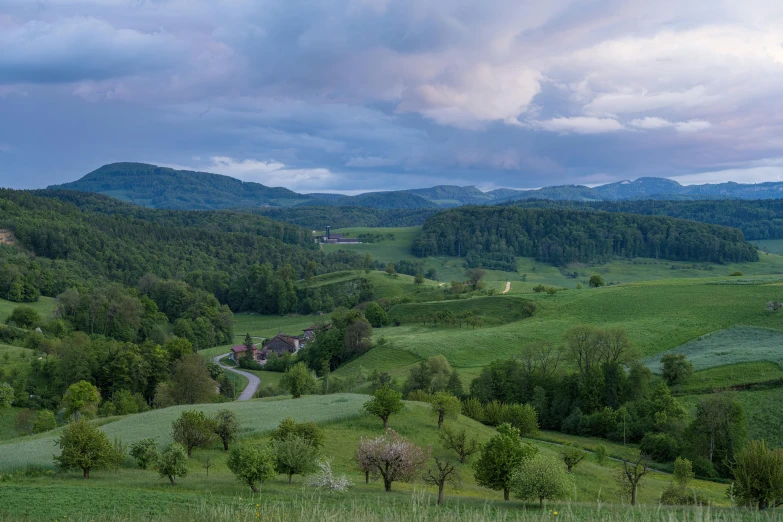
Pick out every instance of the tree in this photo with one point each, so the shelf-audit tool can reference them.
(308, 431)
(522, 417)
(418, 279)
(633, 471)
(298, 380)
(500, 457)
(676, 368)
(251, 465)
(683, 472)
(44, 421)
(384, 403)
(145, 451)
(173, 462)
(719, 429)
(541, 477)
(445, 405)
(84, 446)
(294, 456)
(24, 317)
(82, 398)
(441, 473)
(326, 480)
(226, 427)
(460, 443)
(475, 275)
(391, 457)
(758, 472)
(191, 382)
(596, 281)
(571, 455)
(193, 430)
(391, 270)
(375, 315)
(6, 395)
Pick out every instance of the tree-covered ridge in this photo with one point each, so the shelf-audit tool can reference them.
(757, 219)
(63, 239)
(318, 218)
(161, 187)
(399, 199)
(492, 237)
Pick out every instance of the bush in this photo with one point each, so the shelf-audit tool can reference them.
(145, 452)
(660, 447)
(758, 472)
(523, 417)
(24, 317)
(419, 396)
(702, 467)
(473, 408)
(678, 496)
(44, 421)
(736, 274)
(494, 412)
(601, 454)
(596, 281)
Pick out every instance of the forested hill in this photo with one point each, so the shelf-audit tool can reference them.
(492, 237)
(66, 239)
(397, 199)
(757, 219)
(161, 187)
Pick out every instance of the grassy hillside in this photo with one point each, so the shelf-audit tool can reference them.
(493, 311)
(726, 347)
(141, 494)
(255, 416)
(44, 306)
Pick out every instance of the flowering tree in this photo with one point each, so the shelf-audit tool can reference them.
(391, 457)
(326, 480)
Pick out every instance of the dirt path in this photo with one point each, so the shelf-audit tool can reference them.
(253, 381)
(508, 287)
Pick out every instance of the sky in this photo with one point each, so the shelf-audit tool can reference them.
(357, 95)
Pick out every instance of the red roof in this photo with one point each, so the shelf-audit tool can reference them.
(240, 348)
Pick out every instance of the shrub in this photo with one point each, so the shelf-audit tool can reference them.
(308, 431)
(677, 496)
(659, 446)
(419, 396)
(24, 317)
(473, 408)
(44, 421)
(325, 479)
(596, 281)
(736, 274)
(494, 413)
(523, 417)
(83, 398)
(6, 395)
(676, 368)
(702, 467)
(145, 451)
(758, 472)
(601, 454)
(298, 380)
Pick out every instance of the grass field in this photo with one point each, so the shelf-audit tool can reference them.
(726, 347)
(13, 358)
(735, 375)
(617, 271)
(139, 494)
(255, 416)
(44, 306)
(763, 409)
(494, 310)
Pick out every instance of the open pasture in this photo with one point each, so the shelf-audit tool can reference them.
(45, 306)
(256, 416)
(67, 496)
(733, 376)
(735, 345)
(493, 310)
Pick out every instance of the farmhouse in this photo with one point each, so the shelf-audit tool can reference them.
(240, 350)
(332, 238)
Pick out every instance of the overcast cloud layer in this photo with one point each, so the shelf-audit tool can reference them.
(357, 95)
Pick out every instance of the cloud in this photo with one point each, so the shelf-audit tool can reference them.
(271, 173)
(579, 125)
(369, 161)
(73, 49)
(652, 123)
(740, 175)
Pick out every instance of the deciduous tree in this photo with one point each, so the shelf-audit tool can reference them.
(390, 457)
(634, 469)
(84, 446)
(571, 455)
(294, 456)
(445, 405)
(82, 398)
(460, 443)
(440, 474)
(193, 429)
(500, 457)
(226, 427)
(173, 462)
(145, 451)
(540, 478)
(384, 403)
(251, 465)
(298, 380)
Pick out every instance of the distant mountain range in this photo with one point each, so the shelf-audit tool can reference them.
(161, 187)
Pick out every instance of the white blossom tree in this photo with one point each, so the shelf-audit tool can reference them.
(325, 479)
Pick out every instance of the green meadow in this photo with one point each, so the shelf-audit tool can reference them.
(44, 306)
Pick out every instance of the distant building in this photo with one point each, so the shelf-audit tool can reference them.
(332, 238)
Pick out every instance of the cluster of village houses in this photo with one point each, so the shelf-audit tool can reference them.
(279, 344)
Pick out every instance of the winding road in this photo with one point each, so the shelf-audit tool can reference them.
(253, 381)
(508, 287)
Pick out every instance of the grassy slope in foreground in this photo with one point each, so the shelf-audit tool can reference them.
(592, 481)
(255, 416)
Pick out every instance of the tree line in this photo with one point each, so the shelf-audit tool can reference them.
(492, 237)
